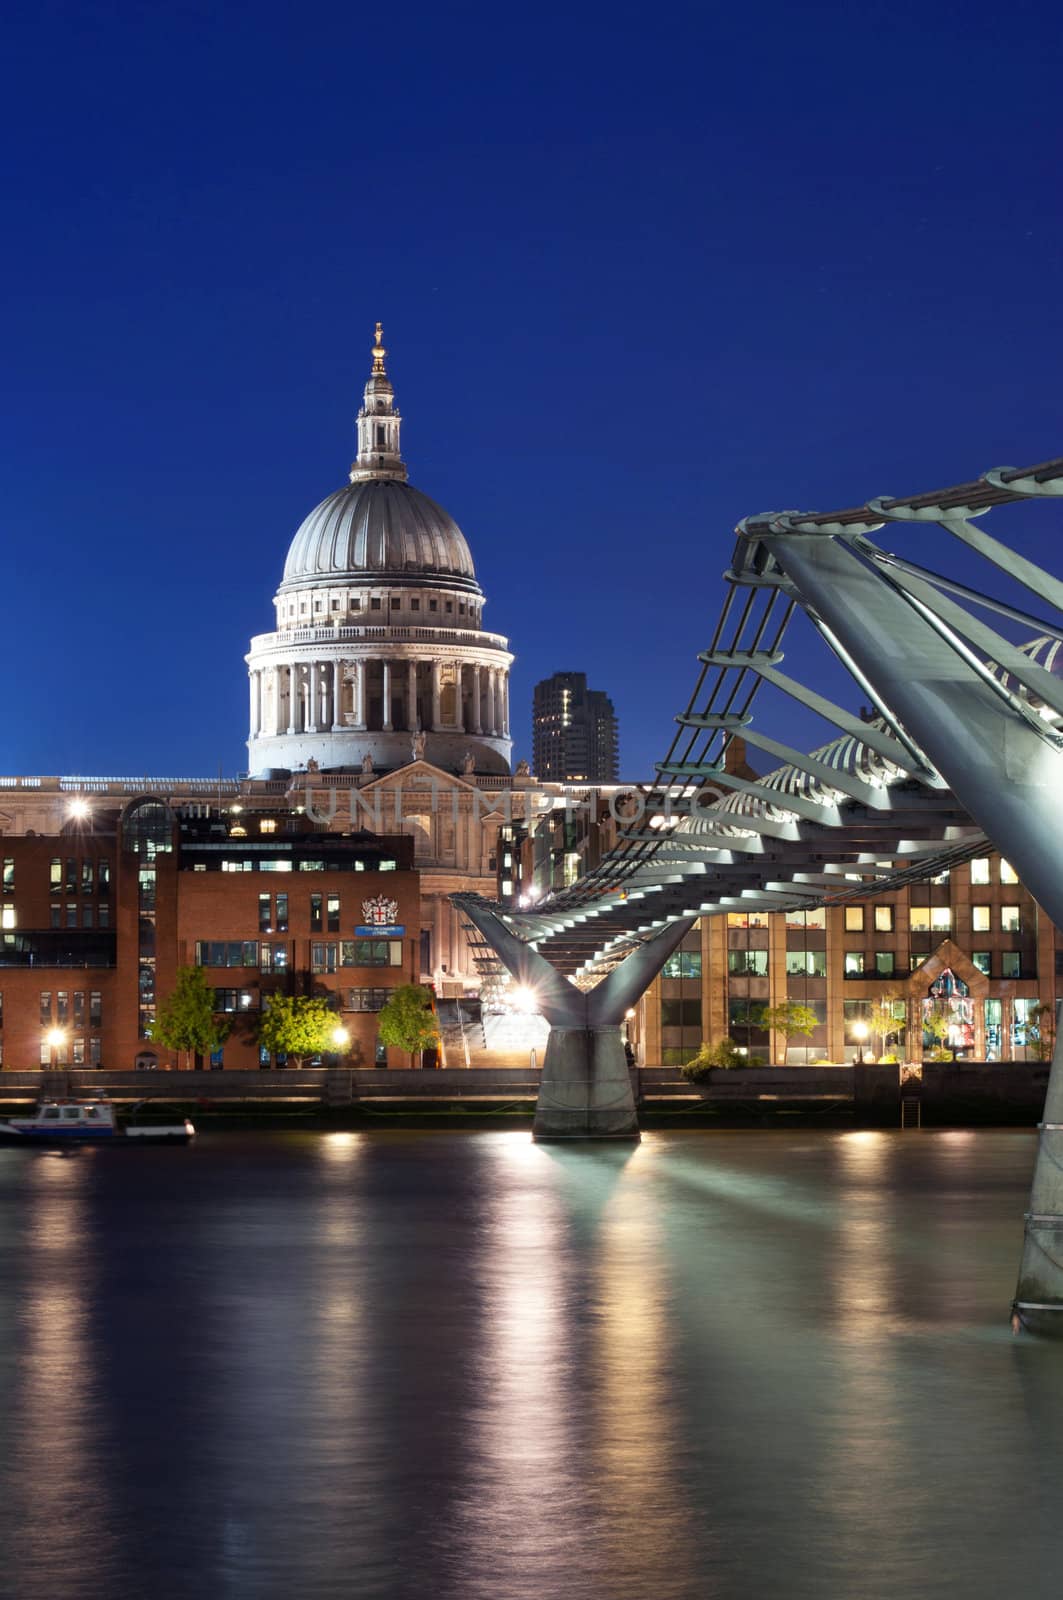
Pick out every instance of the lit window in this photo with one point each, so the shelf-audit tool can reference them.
(980, 922)
(1011, 919)
(804, 963)
(7, 917)
(687, 963)
(9, 874)
(854, 963)
(324, 957)
(980, 870)
(1010, 964)
(980, 959)
(267, 825)
(742, 963)
(1007, 872)
(854, 919)
(919, 919)
(884, 963)
(940, 919)
(883, 919)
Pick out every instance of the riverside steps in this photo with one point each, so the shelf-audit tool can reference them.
(965, 1093)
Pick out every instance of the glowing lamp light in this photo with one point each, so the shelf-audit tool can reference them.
(54, 1037)
(340, 1038)
(860, 1031)
(523, 998)
(79, 810)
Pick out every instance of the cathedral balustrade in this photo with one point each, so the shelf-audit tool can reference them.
(464, 638)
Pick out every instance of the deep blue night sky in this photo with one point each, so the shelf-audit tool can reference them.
(642, 270)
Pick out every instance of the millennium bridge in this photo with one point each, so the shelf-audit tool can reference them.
(962, 742)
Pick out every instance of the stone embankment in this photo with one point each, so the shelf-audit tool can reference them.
(937, 1094)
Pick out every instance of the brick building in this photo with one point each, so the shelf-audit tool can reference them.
(96, 919)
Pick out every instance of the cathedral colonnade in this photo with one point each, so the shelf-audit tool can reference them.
(375, 693)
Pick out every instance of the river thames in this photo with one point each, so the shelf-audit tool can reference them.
(461, 1365)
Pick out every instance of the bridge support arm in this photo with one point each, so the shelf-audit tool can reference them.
(585, 1091)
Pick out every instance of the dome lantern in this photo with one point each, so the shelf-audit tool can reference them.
(378, 425)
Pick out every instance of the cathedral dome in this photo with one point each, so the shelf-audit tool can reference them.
(380, 527)
(379, 657)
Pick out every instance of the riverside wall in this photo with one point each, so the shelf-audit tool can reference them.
(939, 1094)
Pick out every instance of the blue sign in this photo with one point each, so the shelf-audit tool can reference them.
(381, 930)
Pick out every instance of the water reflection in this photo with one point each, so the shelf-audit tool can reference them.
(399, 1366)
(523, 1472)
(54, 1414)
(635, 1442)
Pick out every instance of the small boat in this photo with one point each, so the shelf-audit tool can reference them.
(89, 1122)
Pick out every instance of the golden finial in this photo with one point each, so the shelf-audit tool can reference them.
(379, 352)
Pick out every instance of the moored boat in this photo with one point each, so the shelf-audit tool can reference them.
(89, 1122)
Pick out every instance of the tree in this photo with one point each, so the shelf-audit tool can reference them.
(1041, 1032)
(408, 1022)
(185, 1020)
(883, 1020)
(937, 1019)
(787, 1018)
(298, 1025)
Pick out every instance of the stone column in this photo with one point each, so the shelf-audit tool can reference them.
(337, 695)
(310, 698)
(253, 684)
(435, 698)
(293, 697)
(359, 693)
(477, 724)
(492, 701)
(386, 665)
(505, 704)
(411, 695)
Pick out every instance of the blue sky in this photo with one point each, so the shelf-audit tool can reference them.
(642, 271)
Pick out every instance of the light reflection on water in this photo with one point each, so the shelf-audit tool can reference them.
(406, 1365)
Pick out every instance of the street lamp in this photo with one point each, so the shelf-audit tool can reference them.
(340, 1038)
(860, 1035)
(54, 1038)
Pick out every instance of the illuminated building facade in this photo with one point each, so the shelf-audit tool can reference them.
(965, 962)
(97, 918)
